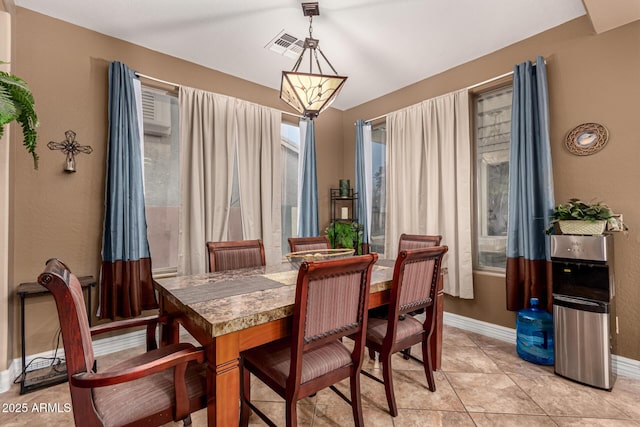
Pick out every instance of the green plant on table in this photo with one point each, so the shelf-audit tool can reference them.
(343, 234)
(17, 103)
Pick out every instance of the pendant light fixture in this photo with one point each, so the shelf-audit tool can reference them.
(310, 93)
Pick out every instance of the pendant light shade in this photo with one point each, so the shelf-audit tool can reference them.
(310, 93)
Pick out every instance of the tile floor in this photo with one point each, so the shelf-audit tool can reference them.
(482, 383)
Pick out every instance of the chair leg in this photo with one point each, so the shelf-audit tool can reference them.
(426, 362)
(388, 384)
(406, 353)
(356, 401)
(292, 414)
(372, 354)
(245, 396)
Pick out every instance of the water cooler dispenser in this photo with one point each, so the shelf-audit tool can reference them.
(583, 308)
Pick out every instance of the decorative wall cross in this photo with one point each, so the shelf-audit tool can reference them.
(70, 147)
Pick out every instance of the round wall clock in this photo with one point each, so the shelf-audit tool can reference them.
(587, 138)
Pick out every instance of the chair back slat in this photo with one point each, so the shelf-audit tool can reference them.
(235, 254)
(417, 282)
(414, 280)
(297, 244)
(332, 299)
(418, 241)
(332, 305)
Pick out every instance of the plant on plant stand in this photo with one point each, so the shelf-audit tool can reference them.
(343, 234)
(17, 103)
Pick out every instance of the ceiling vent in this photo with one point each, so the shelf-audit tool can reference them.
(156, 113)
(286, 44)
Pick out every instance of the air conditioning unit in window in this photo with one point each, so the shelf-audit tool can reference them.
(156, 113)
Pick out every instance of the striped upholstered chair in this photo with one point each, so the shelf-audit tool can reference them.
(331, 302)
(235, 254)
(151, 388)
(308, 243)
(415, 278)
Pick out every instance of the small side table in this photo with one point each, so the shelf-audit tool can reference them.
(32, 380)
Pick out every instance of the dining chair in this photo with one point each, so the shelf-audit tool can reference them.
(416, 241)
(235, 254)
(152, 388)
(414, 286)
(308, 243)
(331, 302)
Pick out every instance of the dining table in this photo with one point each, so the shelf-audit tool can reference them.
(228, 312)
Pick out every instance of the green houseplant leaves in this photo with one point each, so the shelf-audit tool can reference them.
(343, 234)
(577, 210)
(17, 103)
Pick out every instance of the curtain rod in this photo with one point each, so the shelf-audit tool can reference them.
(178, 85)
(491, 80)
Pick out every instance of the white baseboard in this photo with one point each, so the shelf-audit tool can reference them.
(622, 366)
(101, 347)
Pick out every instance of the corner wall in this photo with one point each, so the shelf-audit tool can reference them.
(592, 78)
(61, 215)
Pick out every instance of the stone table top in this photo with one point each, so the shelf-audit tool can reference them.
(228, 301)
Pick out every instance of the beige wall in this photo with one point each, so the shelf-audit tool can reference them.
(592, 78)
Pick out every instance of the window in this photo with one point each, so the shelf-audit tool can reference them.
(161, 176)
(290, 149)
(378, 194)
(492, 138)
(162, 180)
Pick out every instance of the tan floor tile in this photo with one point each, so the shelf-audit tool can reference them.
(342, 415)
(421, 418)
(625, 395)
(561, 397)
(484, 341)
(495, 393)
(275, 412)
(456, 337)
(510, 420)
(468, 359)
(509, 362)
(594, 422)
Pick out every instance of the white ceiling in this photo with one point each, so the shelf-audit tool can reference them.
(381, 45)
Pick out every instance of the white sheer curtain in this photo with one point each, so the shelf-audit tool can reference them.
(207, 142)
(429, 181)
(259, 176)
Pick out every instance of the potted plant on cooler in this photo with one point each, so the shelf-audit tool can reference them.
(343, 234)
(578, 217)
(17, 103)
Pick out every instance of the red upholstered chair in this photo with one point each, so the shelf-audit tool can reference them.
(308, 243)
(153, 388)
(235, 254)
(414, 286)
(331, 303)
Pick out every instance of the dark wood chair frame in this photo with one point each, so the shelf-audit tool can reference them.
(294, 390)
(82, 378)
(214, 247)
(389, 345)
(420, 241)
(296, 242)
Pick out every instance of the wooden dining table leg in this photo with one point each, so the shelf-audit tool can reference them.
(223, 381)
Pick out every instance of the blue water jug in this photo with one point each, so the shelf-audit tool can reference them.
(534, 330)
